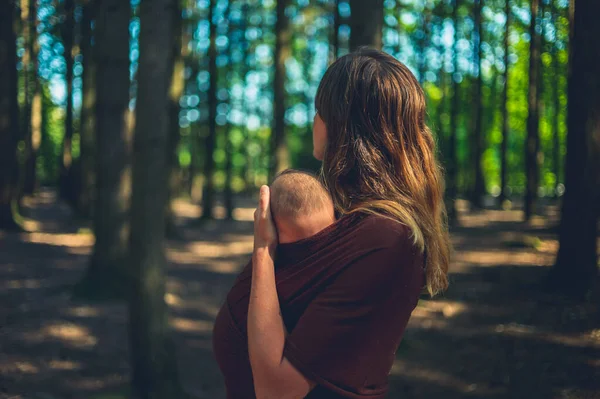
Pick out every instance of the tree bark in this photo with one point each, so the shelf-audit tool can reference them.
(478, 137)
(532, 144)
(106, 274)
(505, 115)
(34, 135)
(452, 162)
(177, 70)
(229, 150)
(208, 193)
(576, 266)
(87, 117)
(154, 369)
(279, 151)
(366, 24)
(334, 40)
(9, 116)
(28, 73)
(556, 164)
(66, 182)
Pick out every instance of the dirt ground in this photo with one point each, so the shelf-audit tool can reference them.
(495, 334)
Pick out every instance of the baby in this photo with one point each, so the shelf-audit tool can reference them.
(300, 205)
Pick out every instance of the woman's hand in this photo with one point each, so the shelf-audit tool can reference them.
(265, 234)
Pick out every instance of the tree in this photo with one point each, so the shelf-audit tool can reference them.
(366, 23)
(177, 65)
(9, 114)
(229, 147)
(87, 115)
(532, 145)
(152, 355)
(556, 100)
(505, 126)
(576, 266)
(211, 139)
(452, 161)
(280, 157)
(478, 139)
(68, 32)
(34, 135)
(334, 40)
(106, 272)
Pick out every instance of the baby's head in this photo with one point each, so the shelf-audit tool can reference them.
(300, 205)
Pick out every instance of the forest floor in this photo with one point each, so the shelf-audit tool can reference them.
(495, 334)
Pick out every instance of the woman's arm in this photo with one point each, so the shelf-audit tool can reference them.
(274, 377)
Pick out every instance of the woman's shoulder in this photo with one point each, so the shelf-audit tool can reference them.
(383, 232)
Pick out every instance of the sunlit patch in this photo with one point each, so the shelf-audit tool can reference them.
(173, 300)
(73, 334)
(189, 325)
(216, 250)
(26, 367)
(20, 284)
(64, 365)
(493, 258)
(62, 240)
(83, 311)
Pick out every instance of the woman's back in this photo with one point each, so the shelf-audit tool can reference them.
(346, 295)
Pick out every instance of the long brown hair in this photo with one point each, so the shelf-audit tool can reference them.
(380, 155)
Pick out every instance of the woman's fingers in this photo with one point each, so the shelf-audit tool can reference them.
(263, 201)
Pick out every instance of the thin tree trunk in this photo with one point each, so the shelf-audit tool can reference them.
(154, 369)
(532, 144)
(66, 178)
(478, 139)
(229, 150)
(576, 267)
(505, 115)
(279, 151)
(29, 74)
(334, 41)
(34, 136)
(87, 116)
(177, 70)
(9, 116)
(106, 274)
(208, 192)
(556, 103)
(452, 161)
(423, 41)
(366, 24)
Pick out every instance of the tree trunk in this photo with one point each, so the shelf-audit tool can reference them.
(424, 41)
(29, 75)
(66, 181)
(556, 104)
(9, 116)
(533, 141)
(229, 150)
(87, 116)
(505, 115)
(576, 267)
(154, 369)
(279, 151)
(34, 136)
(208, 193)
(452, 161)
(177, 70)
(478, 137)
(106, 274)
(334, 40)
(366, 24)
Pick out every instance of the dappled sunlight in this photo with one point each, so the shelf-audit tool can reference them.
(69, 333)
(496, 257)
(217, 250)
(20, 284)
(198, 304)
(191, 325)
(62, 240)
(64, 365)
(186, 209)
(83, 311)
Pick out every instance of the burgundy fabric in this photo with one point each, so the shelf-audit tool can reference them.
(346, 295)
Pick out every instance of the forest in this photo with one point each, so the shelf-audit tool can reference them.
(134, 136)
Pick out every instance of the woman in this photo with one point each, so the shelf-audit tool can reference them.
(333, 330)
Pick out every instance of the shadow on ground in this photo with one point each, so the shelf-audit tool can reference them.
(495, 334)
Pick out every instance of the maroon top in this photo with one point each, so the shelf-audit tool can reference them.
(346, 295)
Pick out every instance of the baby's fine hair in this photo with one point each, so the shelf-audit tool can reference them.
(297, 193)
